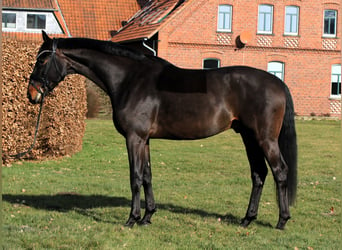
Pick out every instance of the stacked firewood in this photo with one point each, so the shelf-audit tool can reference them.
(63, 117)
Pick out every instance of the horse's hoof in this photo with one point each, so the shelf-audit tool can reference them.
(144, 223)
(246, 221)
(130, 223)
(282, 222)
(281, 226)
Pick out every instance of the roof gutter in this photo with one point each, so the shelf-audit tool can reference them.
(148, 47)
(64, 22)
(27, 9)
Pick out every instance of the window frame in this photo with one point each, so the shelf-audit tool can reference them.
(338, 74)
(263, 31)
(224, 29)
(335, 24)
(211, 59)
(297, 15)
(35, 22)
(4, 24)
(276, 72)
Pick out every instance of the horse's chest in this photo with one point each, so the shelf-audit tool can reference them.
(136, 115)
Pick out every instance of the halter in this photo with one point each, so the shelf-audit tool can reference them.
(46, 83)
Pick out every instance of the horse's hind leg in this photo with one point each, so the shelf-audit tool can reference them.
(258, 174)
(279, 170)
(147, 184)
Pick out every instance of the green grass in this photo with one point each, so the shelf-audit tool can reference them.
(201, 189)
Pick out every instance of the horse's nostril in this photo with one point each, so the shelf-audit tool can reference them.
(30, 98)
(33, 94)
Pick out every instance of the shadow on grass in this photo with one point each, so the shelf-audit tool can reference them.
(83, 204)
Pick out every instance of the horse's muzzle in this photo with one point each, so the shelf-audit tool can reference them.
(34, 92)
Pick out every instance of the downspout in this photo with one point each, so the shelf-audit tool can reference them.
(64, 22)
(148, 47)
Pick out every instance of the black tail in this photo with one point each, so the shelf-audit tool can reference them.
(288, 146)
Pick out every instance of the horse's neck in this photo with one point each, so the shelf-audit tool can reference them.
(105, 71)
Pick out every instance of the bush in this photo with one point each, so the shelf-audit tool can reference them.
(93, 105)
(62, 123)
(98, 102)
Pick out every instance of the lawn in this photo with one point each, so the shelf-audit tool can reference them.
(201, 188)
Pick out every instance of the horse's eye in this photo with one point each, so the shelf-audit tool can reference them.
(40, 60)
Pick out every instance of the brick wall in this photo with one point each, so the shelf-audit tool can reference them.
(192, 36)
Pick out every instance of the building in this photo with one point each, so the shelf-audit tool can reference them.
(24, 19)
(297, 40)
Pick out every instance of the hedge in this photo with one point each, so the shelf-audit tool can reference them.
(63, 119)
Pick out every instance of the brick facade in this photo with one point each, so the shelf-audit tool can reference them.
(185, 32)
(191, 36)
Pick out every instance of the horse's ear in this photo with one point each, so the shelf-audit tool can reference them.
(46, 38)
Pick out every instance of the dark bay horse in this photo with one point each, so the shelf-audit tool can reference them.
(152, 98)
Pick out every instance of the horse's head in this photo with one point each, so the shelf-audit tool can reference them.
(49, 70)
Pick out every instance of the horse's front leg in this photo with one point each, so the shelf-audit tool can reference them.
(147, 183)
(136, 154)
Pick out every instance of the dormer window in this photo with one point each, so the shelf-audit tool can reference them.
(9, 20)
(22, 20)
(35, 21)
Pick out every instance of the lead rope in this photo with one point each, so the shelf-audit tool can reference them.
(43, 93)
(19, 155)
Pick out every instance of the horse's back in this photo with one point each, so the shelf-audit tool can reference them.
(249, 89)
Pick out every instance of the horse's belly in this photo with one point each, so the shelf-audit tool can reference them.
(189, 124)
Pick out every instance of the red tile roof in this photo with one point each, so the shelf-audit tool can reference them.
(86, 18)
(146, 22)
(96, 18)
(99, 18)
(29, 4)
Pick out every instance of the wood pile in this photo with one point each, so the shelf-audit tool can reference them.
(63, 117)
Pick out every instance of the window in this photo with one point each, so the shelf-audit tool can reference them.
(330, 17)
(211, 63)
(224, 18)
(35, 21)
(277, 69)
(265, 19)
(336, 80)
(9, 20)
(291, 20)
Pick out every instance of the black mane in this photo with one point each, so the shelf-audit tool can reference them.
(103, 46)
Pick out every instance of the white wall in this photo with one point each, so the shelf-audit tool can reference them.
(51, 27)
